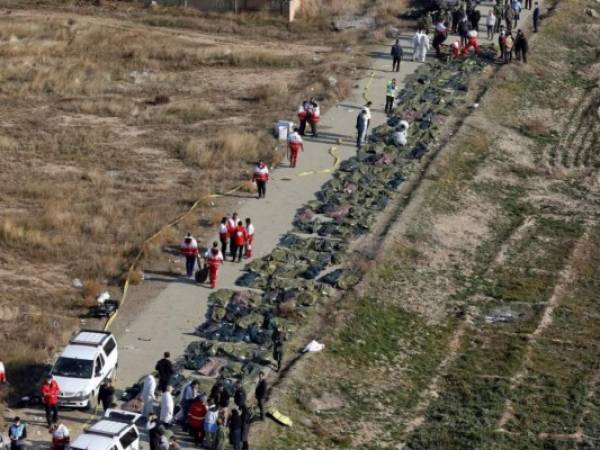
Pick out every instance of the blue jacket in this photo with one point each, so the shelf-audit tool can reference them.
(17, 432)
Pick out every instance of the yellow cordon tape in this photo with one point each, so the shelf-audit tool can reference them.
(336, 162)
(367, 86)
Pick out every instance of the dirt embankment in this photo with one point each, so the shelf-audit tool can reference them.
(476, 325)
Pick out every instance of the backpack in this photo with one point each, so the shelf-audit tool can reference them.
(201, 274)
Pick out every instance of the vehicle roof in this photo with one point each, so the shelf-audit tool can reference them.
(87, 337)
(107, 427)
(93, 442)
(80, 352)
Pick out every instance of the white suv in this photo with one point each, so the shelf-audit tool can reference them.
(116, 431)
(90, 358)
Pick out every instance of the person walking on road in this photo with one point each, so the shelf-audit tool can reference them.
(490, 24)
(250, 230)
(17, 433)
(260, 393)
(50, 391)
(214, 260)
(165, 370)
(260, 177)
(361, 128)
(189, 249)
(106, 394)
(423, 46)
(390, 95)
(167, 407)
(295, 144)
(536, 17)
(416, 40)
(521, 46)
(148, 391)
(223, 235)
(396, 53)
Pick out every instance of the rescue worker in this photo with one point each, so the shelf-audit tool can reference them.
(260, 177)
(390, 95)
(260, 393)
(106, 394)
(361, 128)
(302, 116)
(2, 373)
(415, 43)
(423, 46)
(231, 224)
(60, 436)
(148, 390)
(214, 259)
(295, 144)
(189, 249)
(250, 230)
(472, 43)
(195, 418)
(440, 35)
(277, 339)
(223, 235)
(536, 17)
(521, 46)
(396, 53)
(167, 407)
(313, 116)
(17, 433)
(239, 241)
(490, 24)
(456, 49)
(165, 370)
(50, 391)
(188, 394)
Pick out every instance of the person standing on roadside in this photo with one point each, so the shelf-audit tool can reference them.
(527, 4)
(295, 144)
(246, 415)
(423, 47)
(17, 433)
(508, 48)
(188, 394)
(415, 43)
(189, 249)
(223, 235)
(165, 370)
(214, 260)
(250, 230)
(396, 53)
(106, 394)
(60, 436)
(536, 17)
(463, 31)
(50, 391)
(231, 224)
(490, 24)
(167, 407)
(509, 16)
(302, 116)
(313, 116)
(239, 241)
(260, 393)
(361, 128)
(261, 177)
(390, 95)
(516, 7)
(235, 429)
(498, 12)
(521, 46)
(2, 373)
(221, 436)
(148, 391)
(439, 36)
(277, 338)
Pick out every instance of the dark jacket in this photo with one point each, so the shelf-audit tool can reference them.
(396, 51)
(521, 43)
(239, 397)
(261, 390)
(235, 428)
(536, 14)
(164, 367)
(361, 122)
(106, 394)
(246, 421)
(463, 28)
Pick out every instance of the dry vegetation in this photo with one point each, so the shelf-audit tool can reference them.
(116, 119)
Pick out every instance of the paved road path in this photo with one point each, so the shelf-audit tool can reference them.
(169, 319)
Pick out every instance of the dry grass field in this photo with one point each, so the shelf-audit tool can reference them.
(114, 120)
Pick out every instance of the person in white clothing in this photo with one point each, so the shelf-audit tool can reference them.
(60, 436)
(148, 395)
(167, 406)
(400, 135)
(490, 23)
(416, 41)
(2, 373)
(295, 144)
(249, 237)
(423, 46)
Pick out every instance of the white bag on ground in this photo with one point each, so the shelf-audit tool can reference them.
(314, 346)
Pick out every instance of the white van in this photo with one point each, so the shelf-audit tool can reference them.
(116, 431)
(90, 358)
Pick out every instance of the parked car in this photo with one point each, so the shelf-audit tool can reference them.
(90, 358)
(116, 431)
